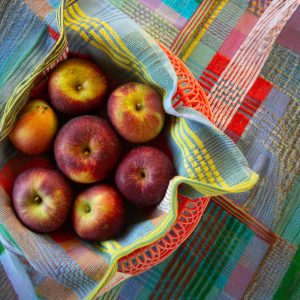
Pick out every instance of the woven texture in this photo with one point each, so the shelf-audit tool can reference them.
(246, 56)
(60, 265)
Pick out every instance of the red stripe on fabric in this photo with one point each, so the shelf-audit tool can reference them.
(260, 89)
(54, 34)
(205, 86)
(238, 124)
(224, 104)
(255, 225)
(257, 94)
(246, 111)
(207, 80)
(249, 105)
(207, 74)
(193, 23)
(218, 64)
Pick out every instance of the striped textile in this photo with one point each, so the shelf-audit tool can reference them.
(60, 265)
(246, 57)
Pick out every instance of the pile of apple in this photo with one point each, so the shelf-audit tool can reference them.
(87, 150)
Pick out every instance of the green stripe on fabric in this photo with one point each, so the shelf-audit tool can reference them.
(185, 254)
(290, 285)
(2, 249)
(233, 242)
(290, 212)
(4, 232)
(222, 248)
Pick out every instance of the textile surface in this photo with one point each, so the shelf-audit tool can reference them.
(247, 245)
(60, 265)
(245, 54)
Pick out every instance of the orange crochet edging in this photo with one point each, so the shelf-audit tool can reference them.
(189, 93)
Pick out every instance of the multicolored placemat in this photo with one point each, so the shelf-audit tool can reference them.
(246, 56)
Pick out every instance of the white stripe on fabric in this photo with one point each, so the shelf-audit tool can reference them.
(231, 88)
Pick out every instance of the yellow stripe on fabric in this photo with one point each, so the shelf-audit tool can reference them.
(76, 28)
(209, 190)
(134, 61)
(126, 62)
(214, 173)
(108, 246)
(116, 245)
(200, 160)
(180, 145)
(203, 30)
(96, 25)
(98, 43)
(109, 41)
(189, 146)
(122, 49)
(72, 14)
(119, 41)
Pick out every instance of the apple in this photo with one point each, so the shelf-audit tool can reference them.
(136, 111)
(143, 175)
(98, 213)
(77, 86)
(86, 149)
(35, 128)
(42, 199)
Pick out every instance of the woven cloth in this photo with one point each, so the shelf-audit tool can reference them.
(245, 56)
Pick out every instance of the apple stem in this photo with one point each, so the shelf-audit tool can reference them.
(87, 209)
(87, 152)
(138, 106)
(37, 199)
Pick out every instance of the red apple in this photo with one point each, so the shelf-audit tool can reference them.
(98, 213)
(42, 199)
(35, 128)
(86, 149)
(77, 86)
(136, 111)
(143, 175)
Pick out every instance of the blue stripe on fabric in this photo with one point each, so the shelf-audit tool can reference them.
(17, 275)
(59, 266)
(178, 163)
(55, 3)
(23, 32)
(34, 58)
(186, 8)
(50, 19)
